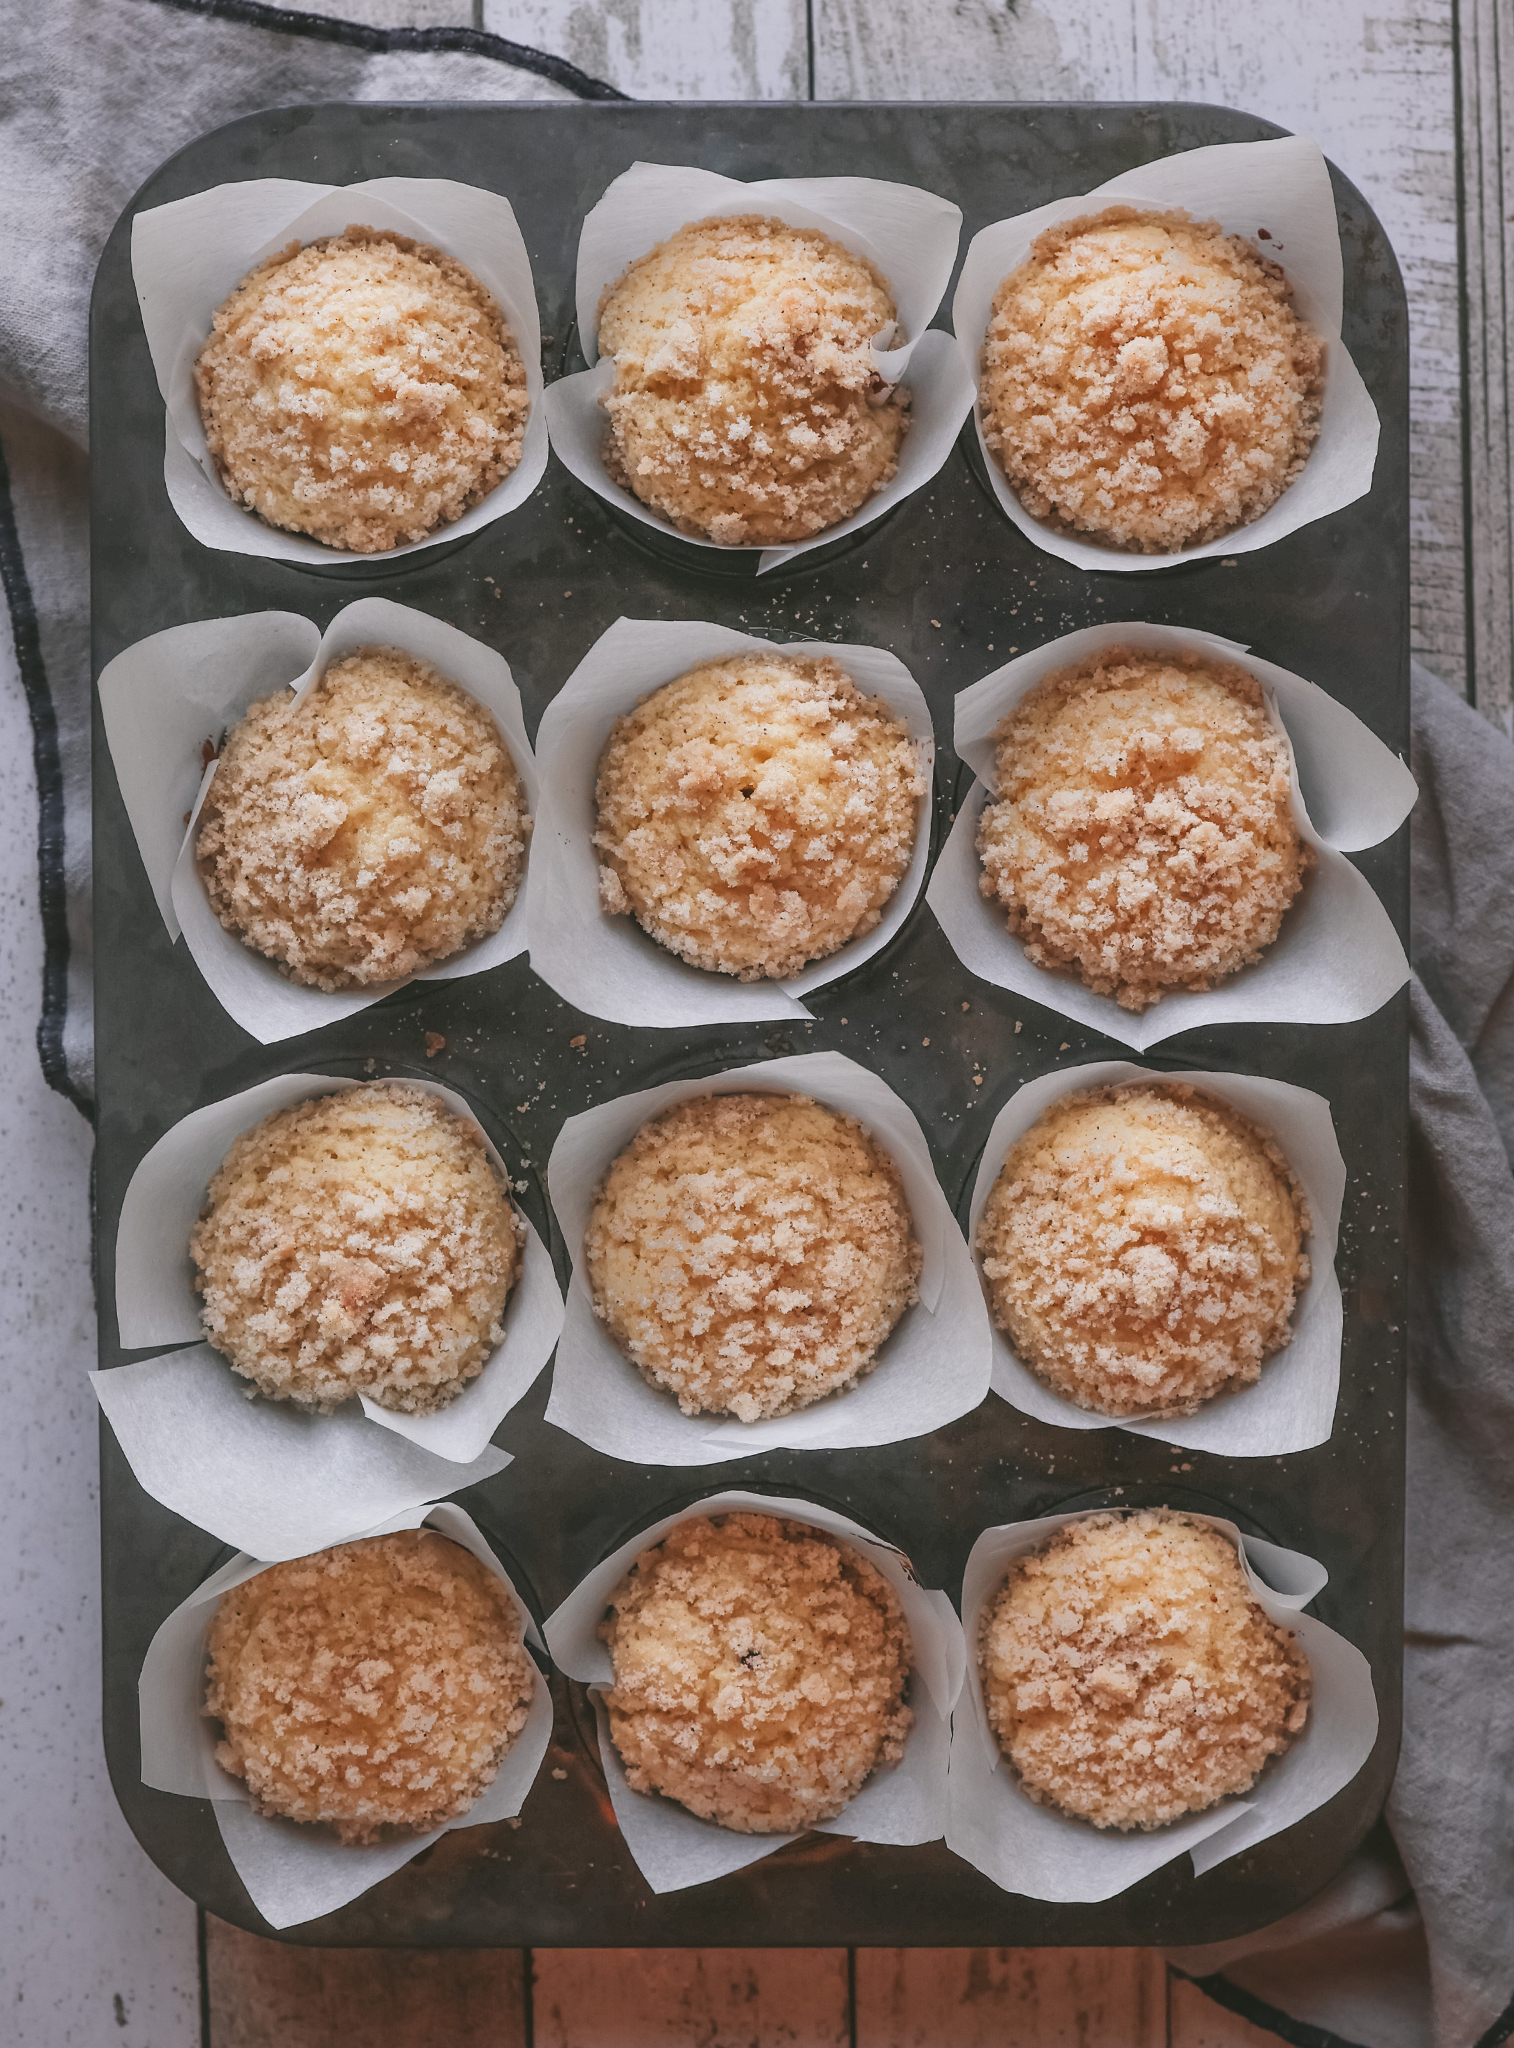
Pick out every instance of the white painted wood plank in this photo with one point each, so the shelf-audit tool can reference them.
(670, 49)
(1011, 1998)
(1487, 81)
(1372, 82)
(393, 13)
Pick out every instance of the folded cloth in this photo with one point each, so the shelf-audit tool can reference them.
(98, 92)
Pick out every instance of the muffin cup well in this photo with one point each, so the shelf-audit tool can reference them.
(934, 1367)
(165, 697)
(608, 966)
(1292, 1406)
(296, 1872)
(1041, 1853)
(1282, 188)
(261, 1473)
(910, 235)
(1337, 956)
(903, 1804)
(189, 256)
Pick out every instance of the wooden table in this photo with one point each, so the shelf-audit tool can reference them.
(1411, 99)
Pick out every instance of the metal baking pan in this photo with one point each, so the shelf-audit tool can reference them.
(938, 580)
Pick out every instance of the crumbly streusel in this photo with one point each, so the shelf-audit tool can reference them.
(751, 1253)
(364, 390)
(1131, 1677)
(760, 1669)
(1144, 1248)
(746, 407)
(757, 813)
(358, 1244)
(375, 1685)
(377, 830)
(1146, 380)
(1143, 837)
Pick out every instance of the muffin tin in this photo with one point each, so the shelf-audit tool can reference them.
(949, 585)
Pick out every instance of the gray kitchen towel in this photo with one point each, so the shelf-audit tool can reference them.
(1416, 1941)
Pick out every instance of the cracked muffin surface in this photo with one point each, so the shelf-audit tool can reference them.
(746, 407)
(751, 1253)
(360, 1243)
(1143, 835)
(375, 1685)
(364, 390)
(757, 813)
(760, 1668)
(1144, 1248)
(375, 831)
(1147, 381)
(1130, 1675)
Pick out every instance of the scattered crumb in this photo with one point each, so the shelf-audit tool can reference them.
(435, 1043)
(1130, 1676)
(760, 1669)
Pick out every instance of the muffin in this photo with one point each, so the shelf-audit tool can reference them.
(358, 1244)
(1129, 1675)
(746, 408)
(377, 830)
(750, 1253)
(1143, 836)
(1143, 1247)
(363, 390)
(1147, 382)
(375, 1685)
(760, 1669)
(757, 813)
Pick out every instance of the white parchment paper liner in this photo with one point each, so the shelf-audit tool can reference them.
(164, 697)
(933, 1368)
(608, 966)
(1337, 957)
(188, 257)
(1043, 1854)
(294, 1872)
(1292, 1405)
(1283, 186)
(266, 1469)
(910, 235)
(902, 1804)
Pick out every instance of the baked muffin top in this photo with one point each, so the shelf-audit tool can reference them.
(363, 390)
(751, 1253)
(760, 1668)
(1143, 836)
(1144, 1248)
(375, 831)
(360, 1243)
(757, 813)
(1147, 382)
(375, 1685)
(746, 408)
(1130, 1675)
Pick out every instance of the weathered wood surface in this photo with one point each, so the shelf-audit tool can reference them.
(1010, 1998)
(690, 1998)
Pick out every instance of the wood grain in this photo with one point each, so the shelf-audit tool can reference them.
(1011, 1998)
(670, 49)
(1196, 2021)
(690, 1998)
(1487, 109)
(271, 1994)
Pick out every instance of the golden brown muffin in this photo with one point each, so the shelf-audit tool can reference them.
(358, 1244)
(757, 813)
(1144, 1248)
(760, 1669)
(1143, 836)
(375, 1685)
(376, 831)
(751, 1253)
(364, 390)
(746, 408)
(1147, 382)
(1130, 1676)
